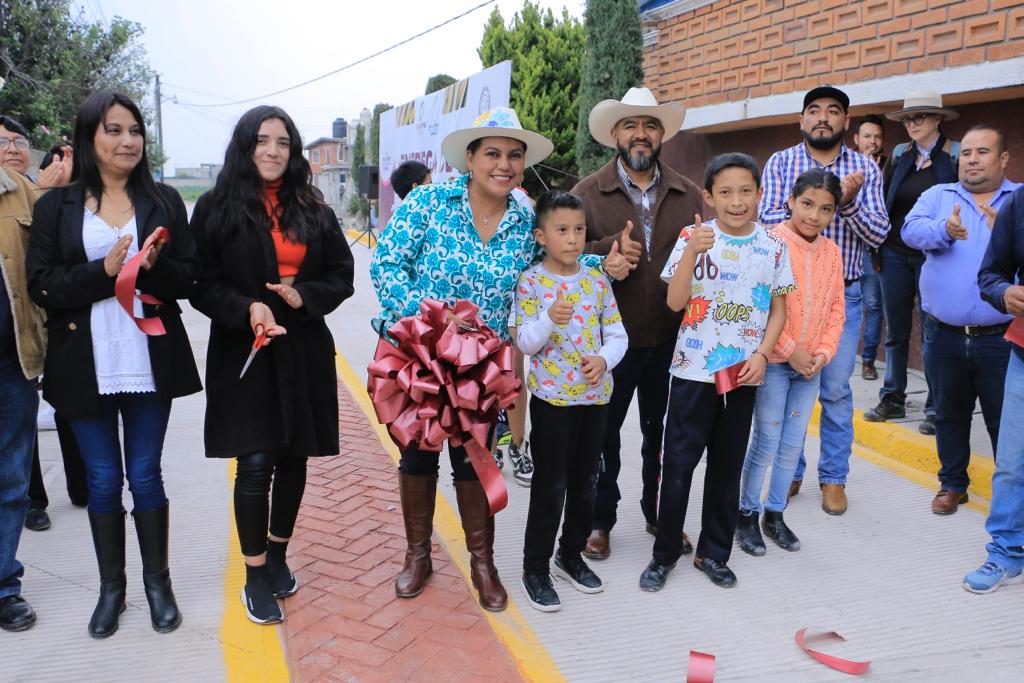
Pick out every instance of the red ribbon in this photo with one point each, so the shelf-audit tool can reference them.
(125, 289)
(728, 378)
(440, 382)
(1015, 332)
(839, 664)
(701, 668)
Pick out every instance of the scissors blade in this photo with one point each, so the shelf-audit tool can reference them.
(248, 362)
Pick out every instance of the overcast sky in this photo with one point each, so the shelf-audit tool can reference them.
(212, 51)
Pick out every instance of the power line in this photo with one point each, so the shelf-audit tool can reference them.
(347, 66)
(196, 92)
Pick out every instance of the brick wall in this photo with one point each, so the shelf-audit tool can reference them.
(737, 49)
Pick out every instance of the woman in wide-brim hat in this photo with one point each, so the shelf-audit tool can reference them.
(466, 238)
(928, 159)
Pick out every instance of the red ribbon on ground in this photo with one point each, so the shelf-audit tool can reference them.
(838, 663)
(701, 668)
(125, 289)
(440, 382)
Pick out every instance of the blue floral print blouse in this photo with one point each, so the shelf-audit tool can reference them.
(430, 249)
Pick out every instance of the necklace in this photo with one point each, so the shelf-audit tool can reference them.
(131, 206)
(501, 209)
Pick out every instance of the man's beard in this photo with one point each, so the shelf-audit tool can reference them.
(823, 143)
(639, 162)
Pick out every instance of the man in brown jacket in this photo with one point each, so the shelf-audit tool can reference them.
(22, 346)
(641, 204)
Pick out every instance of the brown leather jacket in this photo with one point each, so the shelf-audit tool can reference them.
(15, 218)
(641, 296)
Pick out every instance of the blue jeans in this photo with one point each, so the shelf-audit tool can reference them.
(145, 423)
(19, 402)
(781, 413)
(963, 369)
(871, 289)
(1005, 523)
(836, 398)
(901, 272)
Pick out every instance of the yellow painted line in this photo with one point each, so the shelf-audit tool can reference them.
(251, 652)
(363, 240)
(531, 657)
(912, 456)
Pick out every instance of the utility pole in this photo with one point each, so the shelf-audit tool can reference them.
(159, 125)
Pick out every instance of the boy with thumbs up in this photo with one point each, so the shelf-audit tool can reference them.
(566, 318)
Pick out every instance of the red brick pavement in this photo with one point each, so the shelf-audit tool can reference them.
(345, 623)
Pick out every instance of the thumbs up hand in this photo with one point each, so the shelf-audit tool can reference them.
(954, 227)
(702, 238)
(560, 312)
(616, 265)
(629, 247)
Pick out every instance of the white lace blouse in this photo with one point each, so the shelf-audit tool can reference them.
(119, 348)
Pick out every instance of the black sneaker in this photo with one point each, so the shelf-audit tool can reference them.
(578, 574)
(927, 426)
(37, 519)
(653, 577)
(260, 605)
(541, 593)
(282, 580)
(889, 408)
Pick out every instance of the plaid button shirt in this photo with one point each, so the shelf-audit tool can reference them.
(644, 199)
(862, 223)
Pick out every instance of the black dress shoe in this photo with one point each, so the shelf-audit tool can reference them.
(775, 528)
(37, 519)
(927, 426)
(749, 536)
(653, 578)
(889, 408)
(718, 572)
(687, 545)
(16, 614)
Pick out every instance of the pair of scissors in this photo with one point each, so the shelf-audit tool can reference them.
(261, 338)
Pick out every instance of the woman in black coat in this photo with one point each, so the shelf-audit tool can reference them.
(272, 260)
(98, 363)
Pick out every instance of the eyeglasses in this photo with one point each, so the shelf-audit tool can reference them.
(19, 143)
(916, 119)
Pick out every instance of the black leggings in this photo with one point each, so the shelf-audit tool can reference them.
(255, 510)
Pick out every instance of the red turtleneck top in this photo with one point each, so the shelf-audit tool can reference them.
(289, 254)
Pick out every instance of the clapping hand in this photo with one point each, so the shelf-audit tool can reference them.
(851, 186)
(990, 215)
(290, 295)
(114, 260)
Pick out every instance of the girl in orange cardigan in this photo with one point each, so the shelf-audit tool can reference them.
(815, 313)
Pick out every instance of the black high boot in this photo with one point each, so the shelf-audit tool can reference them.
(775, 528)
(749, 536)
(152, 528)
(108, 539)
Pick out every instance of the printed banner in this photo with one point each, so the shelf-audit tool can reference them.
(413, 131)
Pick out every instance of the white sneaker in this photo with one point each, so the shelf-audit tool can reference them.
(522, 463)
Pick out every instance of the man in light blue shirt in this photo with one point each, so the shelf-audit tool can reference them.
(965, 353)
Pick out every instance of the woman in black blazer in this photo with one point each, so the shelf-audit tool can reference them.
(272, 259)
(98, 363)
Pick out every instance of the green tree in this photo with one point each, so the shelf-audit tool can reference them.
(546, 53)
(359, 149)
(438, 82)
(613, 63)
(378, 109)
(53, 58)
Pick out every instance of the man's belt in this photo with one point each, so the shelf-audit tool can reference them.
(849, 282)
(972, 330)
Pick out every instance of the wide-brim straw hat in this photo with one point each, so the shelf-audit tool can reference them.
(922, 102)
(636, 102)
(500, 122)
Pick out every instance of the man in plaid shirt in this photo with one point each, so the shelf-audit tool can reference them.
(860, 222)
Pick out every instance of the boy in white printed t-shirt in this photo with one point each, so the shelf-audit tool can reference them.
(566, 318)
(731, 276)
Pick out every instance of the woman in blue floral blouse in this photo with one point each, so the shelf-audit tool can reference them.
(462, 239)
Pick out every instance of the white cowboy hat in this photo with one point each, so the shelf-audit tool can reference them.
(637, 102)
(500, 122)
(922, 102)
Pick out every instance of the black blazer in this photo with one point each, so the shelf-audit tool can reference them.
(63, 282)
(904, 156)
(288, 400)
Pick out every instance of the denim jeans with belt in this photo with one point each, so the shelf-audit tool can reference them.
(963, 369)
(1005, 523)
(781, 413)
(901, 272)
(19, 402)
(836, 398)
(145, 422)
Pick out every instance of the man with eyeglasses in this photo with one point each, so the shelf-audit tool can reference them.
(860, 222)
(16, 155)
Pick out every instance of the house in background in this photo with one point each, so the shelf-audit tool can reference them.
(330, 160)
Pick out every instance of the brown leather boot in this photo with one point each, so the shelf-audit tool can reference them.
(478, 525)
(418, 494)
(833, 498)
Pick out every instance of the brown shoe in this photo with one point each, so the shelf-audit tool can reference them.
(418, 495)
(478, 525)
(599, 545)
(833, 498)
(653, 531)
(868, 370)
(794, 488)
(946, 502)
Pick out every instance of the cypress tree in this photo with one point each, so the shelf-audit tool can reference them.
(612, 64)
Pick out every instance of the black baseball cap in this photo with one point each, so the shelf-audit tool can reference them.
(829, 91)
